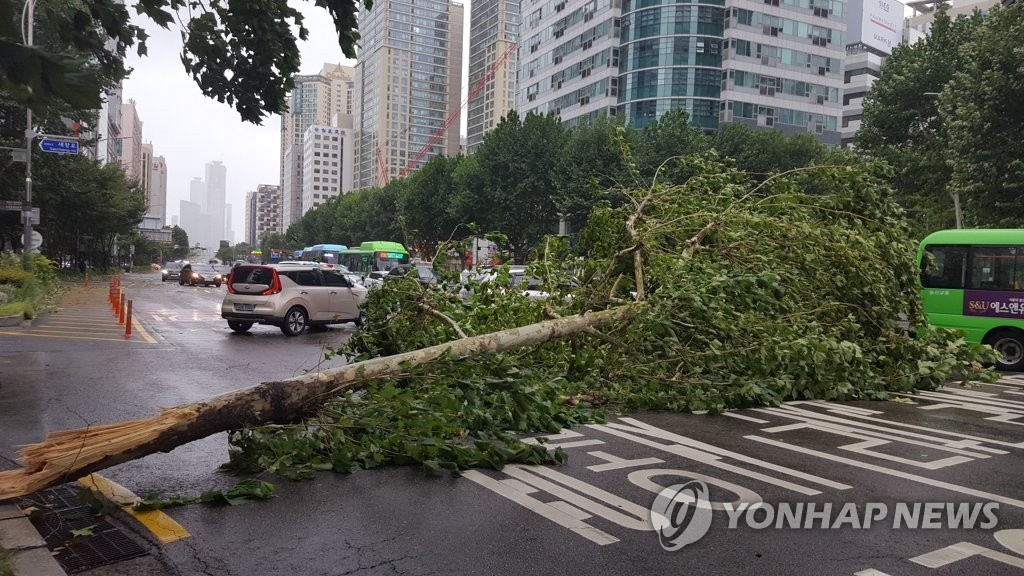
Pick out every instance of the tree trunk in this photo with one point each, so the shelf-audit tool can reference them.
(70, 454)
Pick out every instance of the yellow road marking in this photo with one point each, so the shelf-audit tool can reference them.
(137, 328)
(121, 339)
(161, 525)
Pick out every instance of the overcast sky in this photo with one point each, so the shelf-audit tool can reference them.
(189, 130)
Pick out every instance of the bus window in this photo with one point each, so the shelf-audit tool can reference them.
(996, 268)
(943, 266)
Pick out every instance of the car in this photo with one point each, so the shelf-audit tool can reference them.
(172, 270)
(424, 271)
(293, 297)
(201, 275)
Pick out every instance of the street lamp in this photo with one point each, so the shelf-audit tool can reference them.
(27, 24)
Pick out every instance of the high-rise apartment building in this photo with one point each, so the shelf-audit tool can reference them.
(316, 99)
(569, 58)
(129, 143)
(408, 84)
(327, 164)
(768, 63)
(493, 31)
(262, 213)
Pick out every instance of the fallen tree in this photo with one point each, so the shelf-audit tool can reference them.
(737, 293)
(68, 455)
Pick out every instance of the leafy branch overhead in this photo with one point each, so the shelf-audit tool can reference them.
(240, 52)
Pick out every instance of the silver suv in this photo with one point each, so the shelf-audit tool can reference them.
(291, 297)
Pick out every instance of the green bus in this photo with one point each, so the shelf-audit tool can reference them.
(973, 281)
(374, 256)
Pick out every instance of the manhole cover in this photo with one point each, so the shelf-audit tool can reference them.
(62, 514)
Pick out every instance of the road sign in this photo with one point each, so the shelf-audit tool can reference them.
(59, 146)
(37, 240)
(32, 215)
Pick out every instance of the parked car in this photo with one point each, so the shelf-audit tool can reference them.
(201, 275)
(292, 297)
(172, 270)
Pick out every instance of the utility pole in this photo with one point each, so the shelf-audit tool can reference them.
(28, 23)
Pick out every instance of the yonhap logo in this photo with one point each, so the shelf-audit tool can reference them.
(681, 514)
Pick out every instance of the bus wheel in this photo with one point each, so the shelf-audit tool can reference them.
(1009, 344)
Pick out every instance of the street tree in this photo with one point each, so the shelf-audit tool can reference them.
(764, 152)
(670, 137)
(590, 168)
(426, 203)
(981, 107)
(179, 243)
(510, 183)
(85, 217)
(902, 124)
(238, 52)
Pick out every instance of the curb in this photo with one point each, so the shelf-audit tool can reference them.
(30, 554)
(15, 320)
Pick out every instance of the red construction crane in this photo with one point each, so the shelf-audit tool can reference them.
(474, 90)
(382, 167)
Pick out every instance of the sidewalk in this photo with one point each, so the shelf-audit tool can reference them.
(18, 535)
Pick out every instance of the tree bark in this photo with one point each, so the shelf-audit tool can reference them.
(71, 454)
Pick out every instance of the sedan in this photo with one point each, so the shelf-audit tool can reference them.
(201, 275)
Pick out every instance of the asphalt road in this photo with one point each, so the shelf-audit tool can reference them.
(950, 457)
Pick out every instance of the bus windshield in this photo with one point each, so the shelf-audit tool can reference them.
(973, 281)
(323, 253)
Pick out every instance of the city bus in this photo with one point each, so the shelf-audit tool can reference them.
(324, 253)
(374, 256)
(973, 281)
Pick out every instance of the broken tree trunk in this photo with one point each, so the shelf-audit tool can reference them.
(70, 454)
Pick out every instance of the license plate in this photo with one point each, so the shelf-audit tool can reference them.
(244, 307)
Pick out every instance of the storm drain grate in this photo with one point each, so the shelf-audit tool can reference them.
(62, 513)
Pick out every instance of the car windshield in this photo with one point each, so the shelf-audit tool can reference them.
(173, 266)
(204, 269)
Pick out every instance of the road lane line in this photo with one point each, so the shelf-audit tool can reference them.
(891, 472)
(161, 525)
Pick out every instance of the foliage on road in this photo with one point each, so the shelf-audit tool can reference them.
(744, 292)
(244, 492)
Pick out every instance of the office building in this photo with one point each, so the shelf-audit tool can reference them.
(493, 62)
(327, 164)
(320, 99)
(262, 213)
(408, 87)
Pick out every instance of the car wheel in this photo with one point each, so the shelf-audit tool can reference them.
(361, 320)
(295, 322)
(217, 284)
(240, 327)
(1009, 344)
